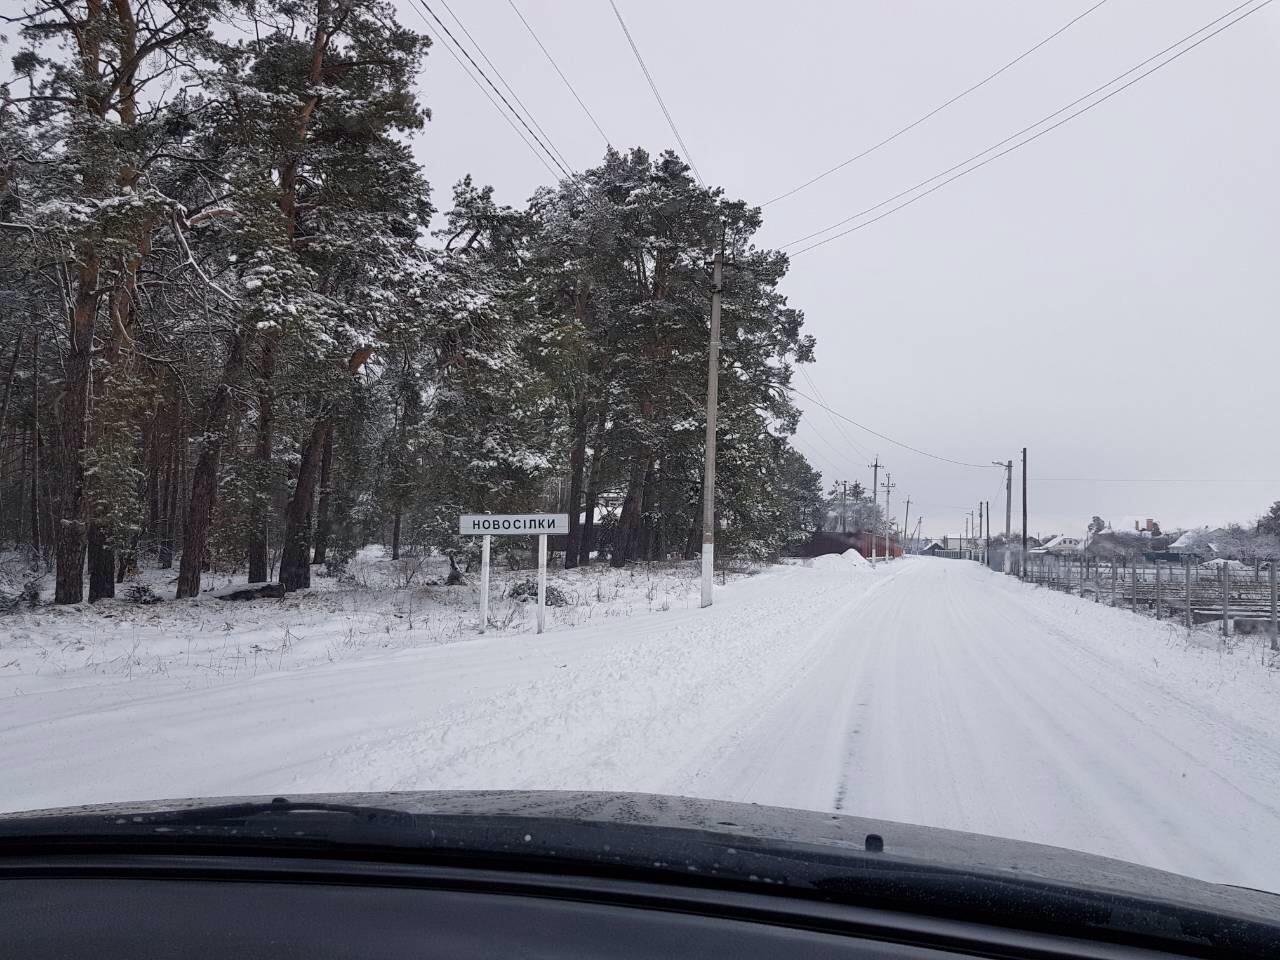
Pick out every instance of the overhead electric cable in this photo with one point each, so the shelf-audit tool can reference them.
(1026, 129)
(503, 80)
(480, 70)
(899, 443)
(657, 96)
(552, 61)
(936, 110)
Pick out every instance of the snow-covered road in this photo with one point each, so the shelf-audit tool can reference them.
(928, 691)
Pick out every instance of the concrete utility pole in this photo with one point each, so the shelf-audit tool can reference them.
(888, 489)
(709, 470)
(1024, 509)
(1007, 467)
(986, 548)
(875, 493)
(980, 529)
(906, 530)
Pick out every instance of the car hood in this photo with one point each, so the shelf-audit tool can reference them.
(828, 855)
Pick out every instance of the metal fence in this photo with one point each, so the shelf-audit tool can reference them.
(1242, 600)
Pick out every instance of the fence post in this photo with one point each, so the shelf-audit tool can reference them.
(1158, 615)
(1226, 599)
(1275, 633)
(1186, 566)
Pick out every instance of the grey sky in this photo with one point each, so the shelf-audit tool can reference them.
(1104, 296)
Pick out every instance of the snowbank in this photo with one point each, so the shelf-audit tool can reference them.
(851, 559)
(830, 561)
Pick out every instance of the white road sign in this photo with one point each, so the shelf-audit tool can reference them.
(513, 524)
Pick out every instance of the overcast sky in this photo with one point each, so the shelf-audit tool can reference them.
(1105, 296)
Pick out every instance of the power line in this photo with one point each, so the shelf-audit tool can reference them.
(505, 116)
(503, 80)
(836, 470)
(836, 423)
(1023, 143)
(1141, 480)
(654, 87)
(463, 50)
(938, 109)
(840, 454)
(551, 60)
(899, 443)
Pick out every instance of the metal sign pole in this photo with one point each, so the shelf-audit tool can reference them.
(484, 582)
(486, 525)
(542, 581)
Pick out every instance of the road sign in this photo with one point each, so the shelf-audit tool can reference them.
(513, 524)
(486, 525)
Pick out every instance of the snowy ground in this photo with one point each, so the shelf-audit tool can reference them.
(929, 691)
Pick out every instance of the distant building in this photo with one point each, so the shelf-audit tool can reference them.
(1060, 545)
(1199, 544)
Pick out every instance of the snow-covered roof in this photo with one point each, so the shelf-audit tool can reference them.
(1223, 562)
(1060, 542)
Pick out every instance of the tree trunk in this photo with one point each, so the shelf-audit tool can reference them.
(204, 479)
(395, 538)
(102, 565)
(71, 530)
(8, 385)
(170, 495)
(627, 531)
(577, 461)
(295, 559)
(260, 519)
(323, 508)
(645, 541)
(35, 447)
(154, 461)
(593, 492)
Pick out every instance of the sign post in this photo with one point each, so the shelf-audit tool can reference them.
(486, 525)
(542, 581)
(484, 582)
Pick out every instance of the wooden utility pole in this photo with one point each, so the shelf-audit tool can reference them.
(709, 469)
(980, 556)
(1024, 507)
(844, 508)
(875, 493)
(906, 530)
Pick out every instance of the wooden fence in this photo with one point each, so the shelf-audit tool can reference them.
(1242, 600)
